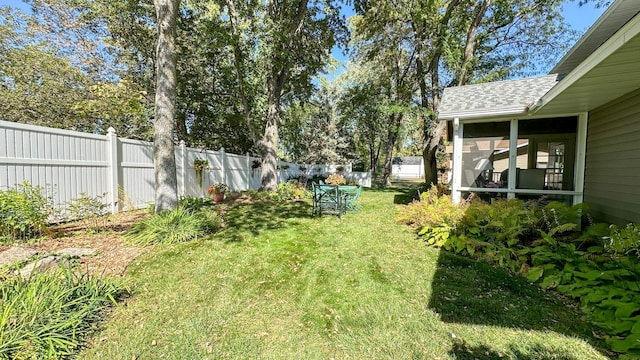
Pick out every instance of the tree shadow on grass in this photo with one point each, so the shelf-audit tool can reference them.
(254, 218)
(462, 351)
(466, 291)
(405, 196)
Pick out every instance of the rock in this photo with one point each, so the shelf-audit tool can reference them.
(77, 252)
(15, 254)
(46, 263)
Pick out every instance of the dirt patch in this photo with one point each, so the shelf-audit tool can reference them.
(113, 253)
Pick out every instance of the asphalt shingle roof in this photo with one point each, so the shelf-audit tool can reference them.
(494, 98)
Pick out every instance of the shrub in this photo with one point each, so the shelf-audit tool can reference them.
(599, 267)
(191, 203)
(178, 225)
(91, 210)
(257, 195)
(443, 189)
(301, 178)
(505, 222)
(23, 213)
(291, 190)
(434, 217)
(49, 315)
(556, 217)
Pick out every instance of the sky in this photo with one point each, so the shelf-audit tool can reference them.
(579, 18)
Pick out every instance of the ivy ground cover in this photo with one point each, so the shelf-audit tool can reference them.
(277, 283)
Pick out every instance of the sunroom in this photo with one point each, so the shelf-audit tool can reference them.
(572, 135)
(499, 151)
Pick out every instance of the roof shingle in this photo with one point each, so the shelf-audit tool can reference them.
(494, 98)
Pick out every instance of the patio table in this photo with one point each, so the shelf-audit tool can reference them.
(334, 199)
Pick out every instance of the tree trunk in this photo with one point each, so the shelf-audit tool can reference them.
(275, 83)
(372, 158)
(430, 150)
(269, 144)
(470, 43)
(166, 184)
(239, 57)
(269, 141)
(375, 161)
(391, 144)
(432, 128)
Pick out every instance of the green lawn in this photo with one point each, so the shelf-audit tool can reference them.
(280, 284)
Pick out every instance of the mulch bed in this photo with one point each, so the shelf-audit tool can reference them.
(105, 235)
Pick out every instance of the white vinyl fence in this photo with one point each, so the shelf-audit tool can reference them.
(69, 163)
(411, 168)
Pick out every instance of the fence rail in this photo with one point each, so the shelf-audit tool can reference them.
(69, 163)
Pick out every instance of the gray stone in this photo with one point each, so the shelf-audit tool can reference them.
(15, 254)
(46, 263)
(76, 252)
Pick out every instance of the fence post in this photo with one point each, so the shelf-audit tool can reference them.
(223, 165)
(182, 190)
(112, 140)
(249, 172)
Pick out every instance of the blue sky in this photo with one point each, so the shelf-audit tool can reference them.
(578, 17)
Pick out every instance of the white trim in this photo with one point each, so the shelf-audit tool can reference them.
(511, 190)
(506, 111)
(135, 142)
(456, 180)
(182, 175)
(521, 191)
(136, 165)
(581, 151)
(53, 162)
(513, 158)
(595, 31)
(47, 130)
(626, 33)
(522, 117)
(114, 184)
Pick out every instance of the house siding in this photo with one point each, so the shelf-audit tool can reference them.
(612, 175)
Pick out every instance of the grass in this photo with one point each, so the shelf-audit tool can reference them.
(51, 314)
(279, 284)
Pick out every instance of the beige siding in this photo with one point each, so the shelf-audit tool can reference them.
(612, 176)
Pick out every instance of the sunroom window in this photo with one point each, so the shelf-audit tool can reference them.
(543, 157)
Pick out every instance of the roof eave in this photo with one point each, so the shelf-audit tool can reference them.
(488, 113)
(627, 32)
(586, 37)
